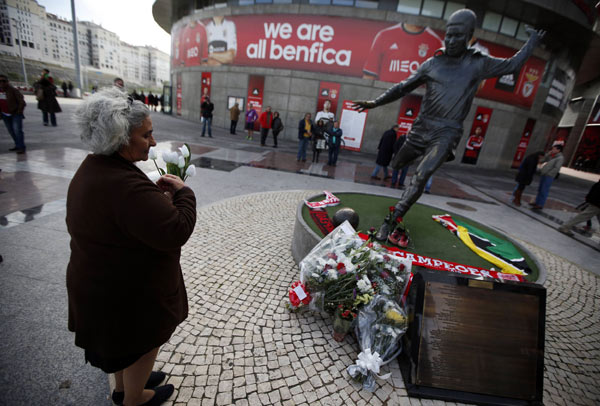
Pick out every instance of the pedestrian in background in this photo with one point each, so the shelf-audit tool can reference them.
(64, 89)
(251, 116)
(150, 101)
(304, 135)
(402, 171)
(206, 110)
(234, 115)
(552, 162)
(334, 141)
(277, 127)
(385, 152)
(593, 209)
(318, 139)
(12, 105)
(126, 292)
(525, 175)
(70, 88)
(46, 96)
(266, 121)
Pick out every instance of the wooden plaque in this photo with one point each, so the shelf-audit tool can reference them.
(474, 340)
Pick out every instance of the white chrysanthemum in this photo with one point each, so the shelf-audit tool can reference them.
(332, 274)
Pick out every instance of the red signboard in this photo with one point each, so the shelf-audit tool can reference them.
(256, 84)
(409, 110)
(328, 91)
(523, 143)
(205, 84)
(337, 45)
(179, 95)
(477, 134)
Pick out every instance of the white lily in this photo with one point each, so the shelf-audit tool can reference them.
(170, 157)
(184, 151)
(152, 154)
(190, 171)
(181, 162)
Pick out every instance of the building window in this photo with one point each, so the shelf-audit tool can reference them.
(367, 3)
(509, 26)
(409, 6)
(433, 8)
(491, 21)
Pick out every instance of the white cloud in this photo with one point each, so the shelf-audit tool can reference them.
(131, 20)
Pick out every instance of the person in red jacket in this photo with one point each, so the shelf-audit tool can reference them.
(266, 122)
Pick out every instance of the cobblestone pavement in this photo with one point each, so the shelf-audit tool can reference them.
(240, 345)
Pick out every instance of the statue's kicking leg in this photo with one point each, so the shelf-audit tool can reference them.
(435, 155)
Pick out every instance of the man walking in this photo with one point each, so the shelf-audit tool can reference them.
(12, 105)
(206, 109)
(451, 78)
(385, 152)
(593, 209)
(553, 162)
(266, 122)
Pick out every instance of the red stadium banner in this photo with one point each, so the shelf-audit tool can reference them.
(409, 110)
(345, 46)
(179, 95)
(478, 130)
(256, 84)
(523, 143)
(205, 85)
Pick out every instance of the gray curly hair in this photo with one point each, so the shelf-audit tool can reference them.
(107, 118)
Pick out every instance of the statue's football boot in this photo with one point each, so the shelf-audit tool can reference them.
(400, 236)
(388, 225)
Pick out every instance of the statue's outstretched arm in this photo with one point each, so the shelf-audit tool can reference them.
(494, 67)
(393, 93)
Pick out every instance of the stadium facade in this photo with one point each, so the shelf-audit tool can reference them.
(294, 55)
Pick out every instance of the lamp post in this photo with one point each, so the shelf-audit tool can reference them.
(76, 47)
(18, 25)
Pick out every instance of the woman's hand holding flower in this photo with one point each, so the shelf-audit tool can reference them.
(170, 183)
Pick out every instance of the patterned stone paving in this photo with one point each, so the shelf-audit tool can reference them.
(241, 346)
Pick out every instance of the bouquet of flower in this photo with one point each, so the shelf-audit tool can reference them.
(343, 321)
(381, 324)
(342, 269)
(178, 165)
(299, 296)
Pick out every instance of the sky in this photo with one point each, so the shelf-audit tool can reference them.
(131, 20)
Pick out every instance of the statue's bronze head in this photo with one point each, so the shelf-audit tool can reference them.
(459, 31)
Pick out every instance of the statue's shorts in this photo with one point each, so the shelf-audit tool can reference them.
(434, 140)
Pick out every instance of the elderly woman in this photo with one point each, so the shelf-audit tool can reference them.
(124, 281)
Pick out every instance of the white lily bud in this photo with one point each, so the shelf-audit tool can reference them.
(184, 151)
(191, 171)
(181, 162)
(170, 157)
(152, 154)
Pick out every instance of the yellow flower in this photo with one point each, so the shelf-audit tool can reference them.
(394, 316)
(362, 299)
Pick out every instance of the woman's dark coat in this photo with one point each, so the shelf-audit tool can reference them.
(124, 281)
(48, 102)
(386, 148)
(527, 169)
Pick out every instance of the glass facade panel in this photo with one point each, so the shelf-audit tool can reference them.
(246, 2)
(509, 26)
(282, 1)
(319, 1)
(409, 6)
(433, 8)
(521, 34)
(343, 2)
(366, 3)
(491, 21)
(451, 7)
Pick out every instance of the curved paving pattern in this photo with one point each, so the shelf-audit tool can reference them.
(241, 346)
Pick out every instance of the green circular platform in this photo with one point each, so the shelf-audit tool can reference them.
(429, 238)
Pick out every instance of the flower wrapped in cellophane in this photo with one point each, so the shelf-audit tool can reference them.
(381, 325)
(345, 270)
